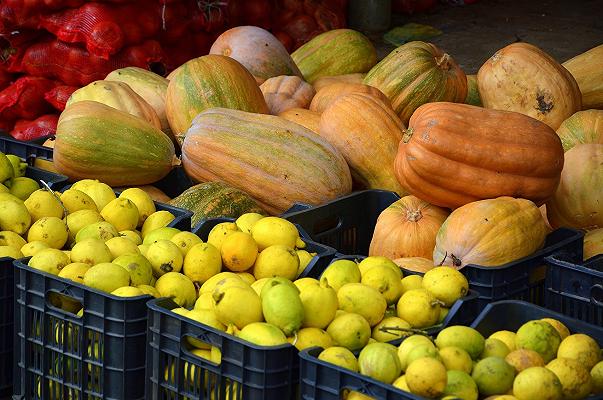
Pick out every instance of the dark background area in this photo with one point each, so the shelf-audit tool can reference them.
(472, 33)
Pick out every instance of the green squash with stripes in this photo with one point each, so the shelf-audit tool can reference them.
(207, 82)
(417, 73)
(215, 199)
(336, 52)
(95, 141)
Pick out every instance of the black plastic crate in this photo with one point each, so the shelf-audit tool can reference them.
(575, 288)
(246, 371)
(347, 223)
(54, 181)
(320, 380)
(59, 355)
(25, 150)
(522, 279)
(462, 312)
(6, 327)
(322, 259)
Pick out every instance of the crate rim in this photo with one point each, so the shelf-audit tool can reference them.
(581, 267)
(330, 202)
(153, 305)
(20, 264)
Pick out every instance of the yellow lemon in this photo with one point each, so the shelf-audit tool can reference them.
(276, 260)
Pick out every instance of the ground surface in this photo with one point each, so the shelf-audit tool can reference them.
(472, 33)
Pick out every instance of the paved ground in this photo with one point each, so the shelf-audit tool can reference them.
(472, 33)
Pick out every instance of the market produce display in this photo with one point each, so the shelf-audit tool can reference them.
(262, 119)
(541, 360)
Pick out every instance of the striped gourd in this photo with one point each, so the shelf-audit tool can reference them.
(275, 161)
(336, 52)
(215, 199)
(100, 142)
(417, 73)
(207, 82)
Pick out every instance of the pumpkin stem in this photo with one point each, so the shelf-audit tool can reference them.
(176, 161)
(443, 62)
(414, 215)
(455, 260)
(407, 134)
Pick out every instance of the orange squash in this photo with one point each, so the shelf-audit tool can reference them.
(305, 118)
(582, 127)
(285, 92)
(578, 201)
(367, 132)
(257, 50)
(275, 161)
(328, 94)
(593, 243)
(407, 228)
(416, 264)
(453, 154)
(207, 82)
(587, 69)
(523, 78)
(490, 233)
(324, 81)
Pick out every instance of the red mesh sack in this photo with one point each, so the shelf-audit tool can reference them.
(197, 45)
(5, 79)
(105, 29)
(26, 13)
(176, 21)
(58, 96)
(26, 130)
(77, 67)
(209, 16)
(13, 46)
(24, 99)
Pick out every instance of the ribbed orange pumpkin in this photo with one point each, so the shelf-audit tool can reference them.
(257, 50)
(367, 132)
(306, 118)
(417, 73)
(582, 127)
(285, 92)
(407, 228)
(593, 243)
(207, 82)
(328, 94)
(329, 80)
(417, 264)
(275, 161)
(523, 78)
(578, 201)
(587, 69)
(453, 154)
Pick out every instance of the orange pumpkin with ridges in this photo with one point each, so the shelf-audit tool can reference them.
(407, 228)
(453, 154)
(328, 94)
(285, 92)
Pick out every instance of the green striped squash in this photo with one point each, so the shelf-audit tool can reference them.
(417, 73)
(215, 199)
(336, 52)
(275, 161)
(206, 82)
(100, 142)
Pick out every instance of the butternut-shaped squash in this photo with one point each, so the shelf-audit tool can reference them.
(367, 132)
(275, 161)
(587, 69)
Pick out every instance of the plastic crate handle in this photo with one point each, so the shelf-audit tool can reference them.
(64, 294)
(597, 287)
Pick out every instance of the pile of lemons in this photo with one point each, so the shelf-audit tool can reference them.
(541, 360)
